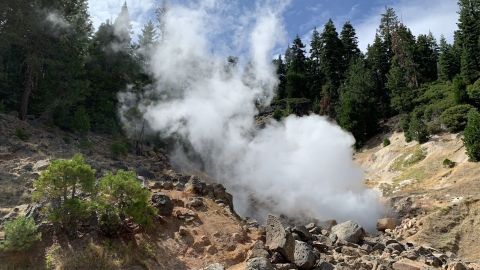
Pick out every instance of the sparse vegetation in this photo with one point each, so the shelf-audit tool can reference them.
(408, 159)
(20, 234)
(447, 163)
(120, 148)
(22, 134)
(386, 142)
(472, 135)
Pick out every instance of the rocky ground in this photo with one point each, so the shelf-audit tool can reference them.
(197, 227)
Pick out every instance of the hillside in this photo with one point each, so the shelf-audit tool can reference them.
(437, 210)
(444, 199)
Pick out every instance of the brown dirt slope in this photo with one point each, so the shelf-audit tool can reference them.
(445, 200)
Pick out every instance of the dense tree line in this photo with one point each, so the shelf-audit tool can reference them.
(54, 66)
(431, 85)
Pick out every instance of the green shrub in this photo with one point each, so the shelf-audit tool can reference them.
(59, 186)
(386, 142)
(80, 121)
(278, 114)
(474, 93)
(471, 138)
(120, 148)
(447, 163)
(418, 155)
(20, 234)
(455, 118)
(122, 196)
(417, 129)
(22, 134)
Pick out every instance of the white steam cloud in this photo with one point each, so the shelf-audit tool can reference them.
(301, 167)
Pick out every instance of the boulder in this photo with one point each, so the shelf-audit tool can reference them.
(303, 233)
(387, 223)
(259, 264)
(215, 266)
(145, 173)
(406, 264)
(457, 266)
(163, 203)
(349, 231)
(277, 238)
(303, 256)
(195, 186)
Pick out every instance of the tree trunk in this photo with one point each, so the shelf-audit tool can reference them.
(27, 90)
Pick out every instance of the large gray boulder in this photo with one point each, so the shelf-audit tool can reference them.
(277, 238)
(304, 257)
(349, 231)
(259, 264)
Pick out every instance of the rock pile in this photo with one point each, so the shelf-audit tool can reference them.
(344, 246)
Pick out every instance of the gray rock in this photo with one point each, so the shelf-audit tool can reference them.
(145, 173)
(215, 266)
(259, 264)
(163, 203)
(349, 231)
(302, 231)
(277, 238)
(303, 257)
(325, 266)
(195, 202)
(195, 186)
(285, 266)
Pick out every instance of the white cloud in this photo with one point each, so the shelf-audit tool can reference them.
(437, 16)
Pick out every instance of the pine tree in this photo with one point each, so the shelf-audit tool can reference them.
(471, 138)
(315, 74)
(330, 61)
(388, 26)
(296, 74)
(377, 60)
(448, 63)
(426, 57)
(358, 102)
(281, 74)
(349, 40)
(403, 75)
(469, 34)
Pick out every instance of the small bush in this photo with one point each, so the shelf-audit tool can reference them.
(471, 138)
(416, 157)
(60, 186)
(278, 114)
(121, 197)
(20, 234)
(447, 163)
(80, 121)
(455, 118)
(22, 134)
(120, 148)
(386, 142)
(474, 93)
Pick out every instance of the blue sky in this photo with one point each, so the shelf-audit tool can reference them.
(301, 16)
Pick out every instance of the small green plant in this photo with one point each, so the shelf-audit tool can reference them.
(418, 155)
(386, 142)
(120, 148)
(121, 196)
(85, 144)
(447, 163)
(471, 138)
(20, 234)
(278, 114)
(59, 186)
(22, 134)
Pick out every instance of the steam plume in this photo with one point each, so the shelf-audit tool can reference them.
(301, 167)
